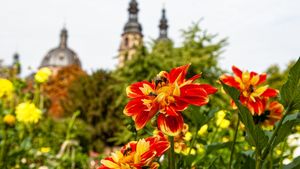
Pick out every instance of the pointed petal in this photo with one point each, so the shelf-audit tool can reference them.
(270, 93)
(262, 78)
(143, 117)
(208, 88)
(170, 125)
(178, 74)
(237, 71)
(230, 81)
(139, 89)
(161, 147)
(134, 106)
(193, 94)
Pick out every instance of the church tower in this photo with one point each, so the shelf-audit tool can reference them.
(132, 36)
(163, 27)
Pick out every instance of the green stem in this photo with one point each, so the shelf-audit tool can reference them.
(171, 154)
(233, 143)
(269, 145)
(258, 161)
(3, 148)
(194, 140)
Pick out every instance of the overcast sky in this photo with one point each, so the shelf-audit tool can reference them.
(260, 32)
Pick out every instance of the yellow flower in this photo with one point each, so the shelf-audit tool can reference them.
(45, 149)
(225, 139)
(9, 119)
(203, 130)
(6, 88)
(200, 148)
(188, 136)
(42, 75)
(223, 123)
(187, 151)
(28, 113)
(221, 114)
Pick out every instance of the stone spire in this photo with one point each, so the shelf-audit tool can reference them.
(133, 26)
(63, 38)
(163, 26)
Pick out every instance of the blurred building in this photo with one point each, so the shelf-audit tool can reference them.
(11, 71)
(61, 56)
(132, 36)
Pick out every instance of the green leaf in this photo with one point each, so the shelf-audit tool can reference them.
(290, 91)
(293, 165)
(255, 135)
(286, 128)
(217, 146)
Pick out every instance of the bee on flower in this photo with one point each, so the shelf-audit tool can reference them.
(28, 113)
(42, 75)
(252, 92)
(6, 88)
(137, 154)
(168, 95)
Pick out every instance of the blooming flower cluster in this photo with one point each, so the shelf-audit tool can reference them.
(255, 96)
(138, 154)
(42, 75)
(28, 113)
(168, 95)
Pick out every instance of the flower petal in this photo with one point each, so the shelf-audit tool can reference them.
(170, 125)
(230, 81)
(193, 94)
(208, 88)
(139, 89)
(178, 74)
(134, 106)
(237, 71)
(143, 117)
(270, 93)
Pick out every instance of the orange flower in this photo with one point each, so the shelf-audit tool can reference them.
(271, 115)
(138, 154)
(169, 94)
(252, 92)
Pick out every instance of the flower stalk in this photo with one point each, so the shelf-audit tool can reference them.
(233, 143)
(171, 153)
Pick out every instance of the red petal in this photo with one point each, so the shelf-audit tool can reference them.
(270, 93)
(193, 94)
(230, 81)
(237, 71)
(208, 88)
(171, 111)
(170, 125)
(143, 117)
(147, 157)
(192, 79)
(257, 107)
(262, 78)
(252, 74)
(134, 107)
(178, 74)
(160, 147)
(134, 90)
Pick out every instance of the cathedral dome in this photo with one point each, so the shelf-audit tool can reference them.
(62, 55)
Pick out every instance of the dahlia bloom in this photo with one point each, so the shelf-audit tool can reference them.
(42, 75)
(137, 154)
(272, 114)
(6, 88)
(252, 92)
(28, 113)
(169, 94)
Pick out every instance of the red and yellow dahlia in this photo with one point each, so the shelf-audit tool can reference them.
(253, 93)
(169, 94)
(272, 114)
(137, 154)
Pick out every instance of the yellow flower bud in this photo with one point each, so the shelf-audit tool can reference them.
(203, 130)
(45, 149)
(188, 136)
(9, 119)
(223, 123)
